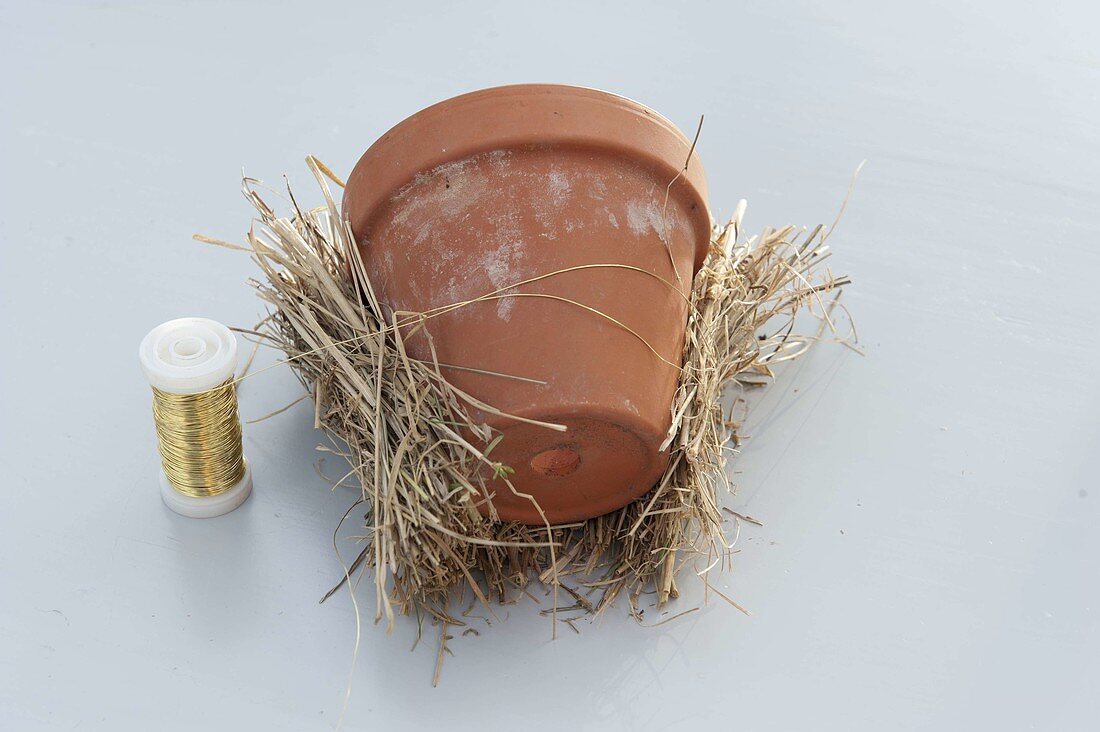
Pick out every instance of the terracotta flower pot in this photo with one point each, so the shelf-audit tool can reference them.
(501, 185)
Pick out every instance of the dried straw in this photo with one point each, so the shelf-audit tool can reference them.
(404, 430)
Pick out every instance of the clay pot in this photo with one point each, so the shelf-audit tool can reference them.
(494, 187)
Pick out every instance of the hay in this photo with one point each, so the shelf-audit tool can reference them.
(404, 430)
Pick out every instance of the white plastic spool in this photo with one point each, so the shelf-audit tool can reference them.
(188, 356)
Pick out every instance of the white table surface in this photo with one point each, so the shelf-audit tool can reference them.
(931, 538)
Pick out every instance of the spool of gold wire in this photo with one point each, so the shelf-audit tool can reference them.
(199, 439)
(189, 363)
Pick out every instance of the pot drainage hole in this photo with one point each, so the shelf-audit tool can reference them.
(556, 462)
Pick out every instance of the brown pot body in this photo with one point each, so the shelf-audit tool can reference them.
(502, 185)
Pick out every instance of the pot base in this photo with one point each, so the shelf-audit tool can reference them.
(596, 466)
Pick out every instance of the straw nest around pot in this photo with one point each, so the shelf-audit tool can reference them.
(406, 434)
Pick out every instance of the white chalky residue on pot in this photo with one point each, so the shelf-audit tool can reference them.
(387, 269)
(445, 194)
(499, 267)
(461, 188)
(502, 264)
(499, 158)
(547, 208)
(559, 186)
(443, 257)
(599, 188)
(452, 192)
(643, 216)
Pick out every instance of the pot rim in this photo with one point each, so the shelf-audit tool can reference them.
(517, 115)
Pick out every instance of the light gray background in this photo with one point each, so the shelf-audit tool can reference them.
(929, 554)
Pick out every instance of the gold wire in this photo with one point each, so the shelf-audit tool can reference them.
(199, 439)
